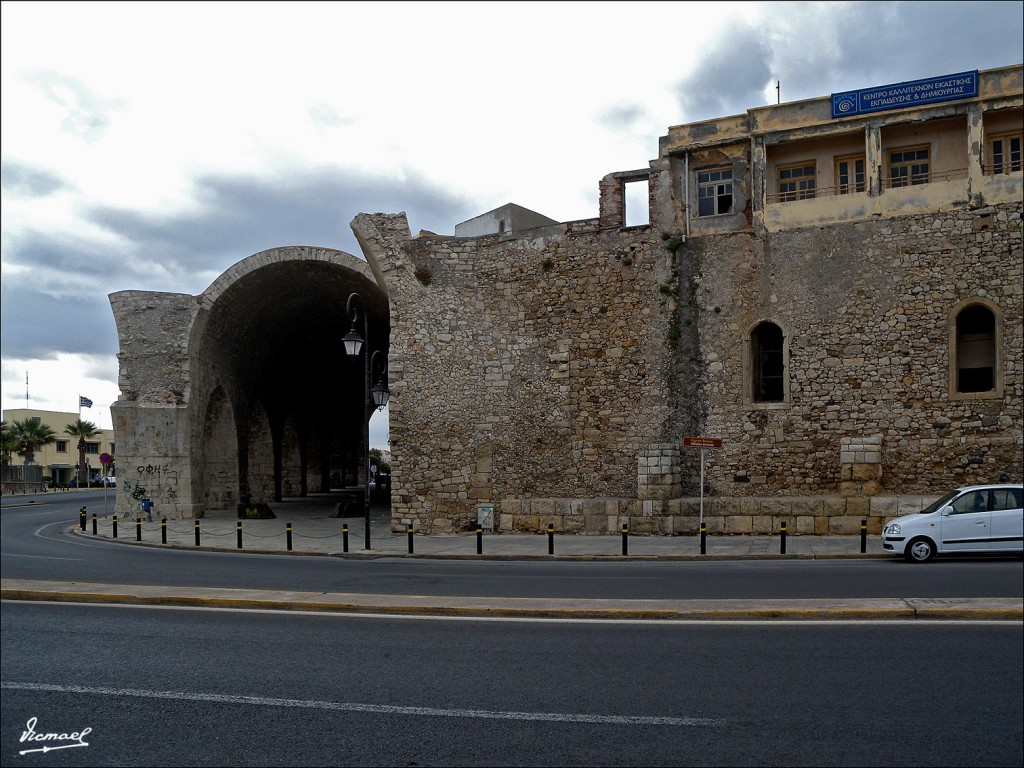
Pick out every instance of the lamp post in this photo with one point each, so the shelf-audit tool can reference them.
(353, 346)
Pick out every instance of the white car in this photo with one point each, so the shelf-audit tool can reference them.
(975, 518)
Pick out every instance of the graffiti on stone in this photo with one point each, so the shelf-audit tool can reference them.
(152, 481)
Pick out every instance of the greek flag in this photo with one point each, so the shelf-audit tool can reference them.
(84, 402)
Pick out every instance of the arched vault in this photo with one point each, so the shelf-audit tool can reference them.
(263, 400)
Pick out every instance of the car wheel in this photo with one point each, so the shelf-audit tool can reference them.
(920, 550)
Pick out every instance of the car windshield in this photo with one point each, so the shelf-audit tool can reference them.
(935, 506)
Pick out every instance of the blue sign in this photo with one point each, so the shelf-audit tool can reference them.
(962, 85)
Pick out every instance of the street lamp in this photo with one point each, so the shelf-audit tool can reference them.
(353, 342)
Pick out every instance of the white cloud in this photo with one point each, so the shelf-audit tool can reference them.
(151, 145)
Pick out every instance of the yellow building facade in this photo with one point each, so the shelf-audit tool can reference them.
(58, 462)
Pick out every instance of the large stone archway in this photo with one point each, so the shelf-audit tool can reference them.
(243, 394)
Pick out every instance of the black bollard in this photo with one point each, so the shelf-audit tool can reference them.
(93, 523)
(138, 529)
(625, 539)
(551, 539)
(115, 527)
(782, 538)
(703, 538)
(81, 518)
(408, 531)
(196, 526)
(479, 540)
(288, 536)
(344, 538)
(238, 533)
(863, 536)
(163, 530)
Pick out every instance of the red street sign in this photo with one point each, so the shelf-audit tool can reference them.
(104, 458)
(702, 442)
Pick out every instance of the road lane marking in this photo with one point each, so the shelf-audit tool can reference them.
(809, 623)
(376, 709)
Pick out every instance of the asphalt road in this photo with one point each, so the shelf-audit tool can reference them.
(192, 687)
(34, 547)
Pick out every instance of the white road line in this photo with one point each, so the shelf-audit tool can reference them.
(377, 709)
(720, 623)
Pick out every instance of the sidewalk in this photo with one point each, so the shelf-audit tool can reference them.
(315, 531)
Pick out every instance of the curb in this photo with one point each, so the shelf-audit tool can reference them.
(991, 609)
(377, 554)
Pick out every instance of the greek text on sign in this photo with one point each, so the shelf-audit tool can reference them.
(963, 85)
(702, 442)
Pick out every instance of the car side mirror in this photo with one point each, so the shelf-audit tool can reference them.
(946, 511)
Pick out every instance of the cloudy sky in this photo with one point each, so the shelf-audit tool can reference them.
(150, 146)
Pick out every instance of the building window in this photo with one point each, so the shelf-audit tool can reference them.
(62, 446)
(975, 350)
(92, 447)
(908, 166)
(1005, 153)
(796, 182)
(850, 174)
(714, 192)
(767, 366)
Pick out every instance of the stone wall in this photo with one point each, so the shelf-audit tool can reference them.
(151, 417)
(867, 310)
(554, 376)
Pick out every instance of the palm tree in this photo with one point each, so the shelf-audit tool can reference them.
(8, 447)
(8, 444)
(83, 430)
(30, 435)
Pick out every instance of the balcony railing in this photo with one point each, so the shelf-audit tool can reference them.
(999, 169)
(810, 194)
(895, 182)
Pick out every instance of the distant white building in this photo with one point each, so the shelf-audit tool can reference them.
(505, 220)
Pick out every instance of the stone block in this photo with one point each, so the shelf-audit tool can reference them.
(866, 472)
(644, 525)
(573, 524)
(516, 506)
(724, 505)
(685, 525)
(542, 506)
(505, 521)
(761, 524)
(527, 523)
(750, 507)
(739, 524)
(833, 505)
(843, 526)
(595, 524)
(884, 506)
(821, 526)
(805, 524)
(777, 507)
(714, 524)
(807, 506)
(858, 507)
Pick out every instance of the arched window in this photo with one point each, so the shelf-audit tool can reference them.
(767, 364)
(975, 349)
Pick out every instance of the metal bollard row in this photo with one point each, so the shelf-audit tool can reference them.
(783, 532)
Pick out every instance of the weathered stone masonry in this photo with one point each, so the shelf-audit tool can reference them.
(552, 373)
(546, 374)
